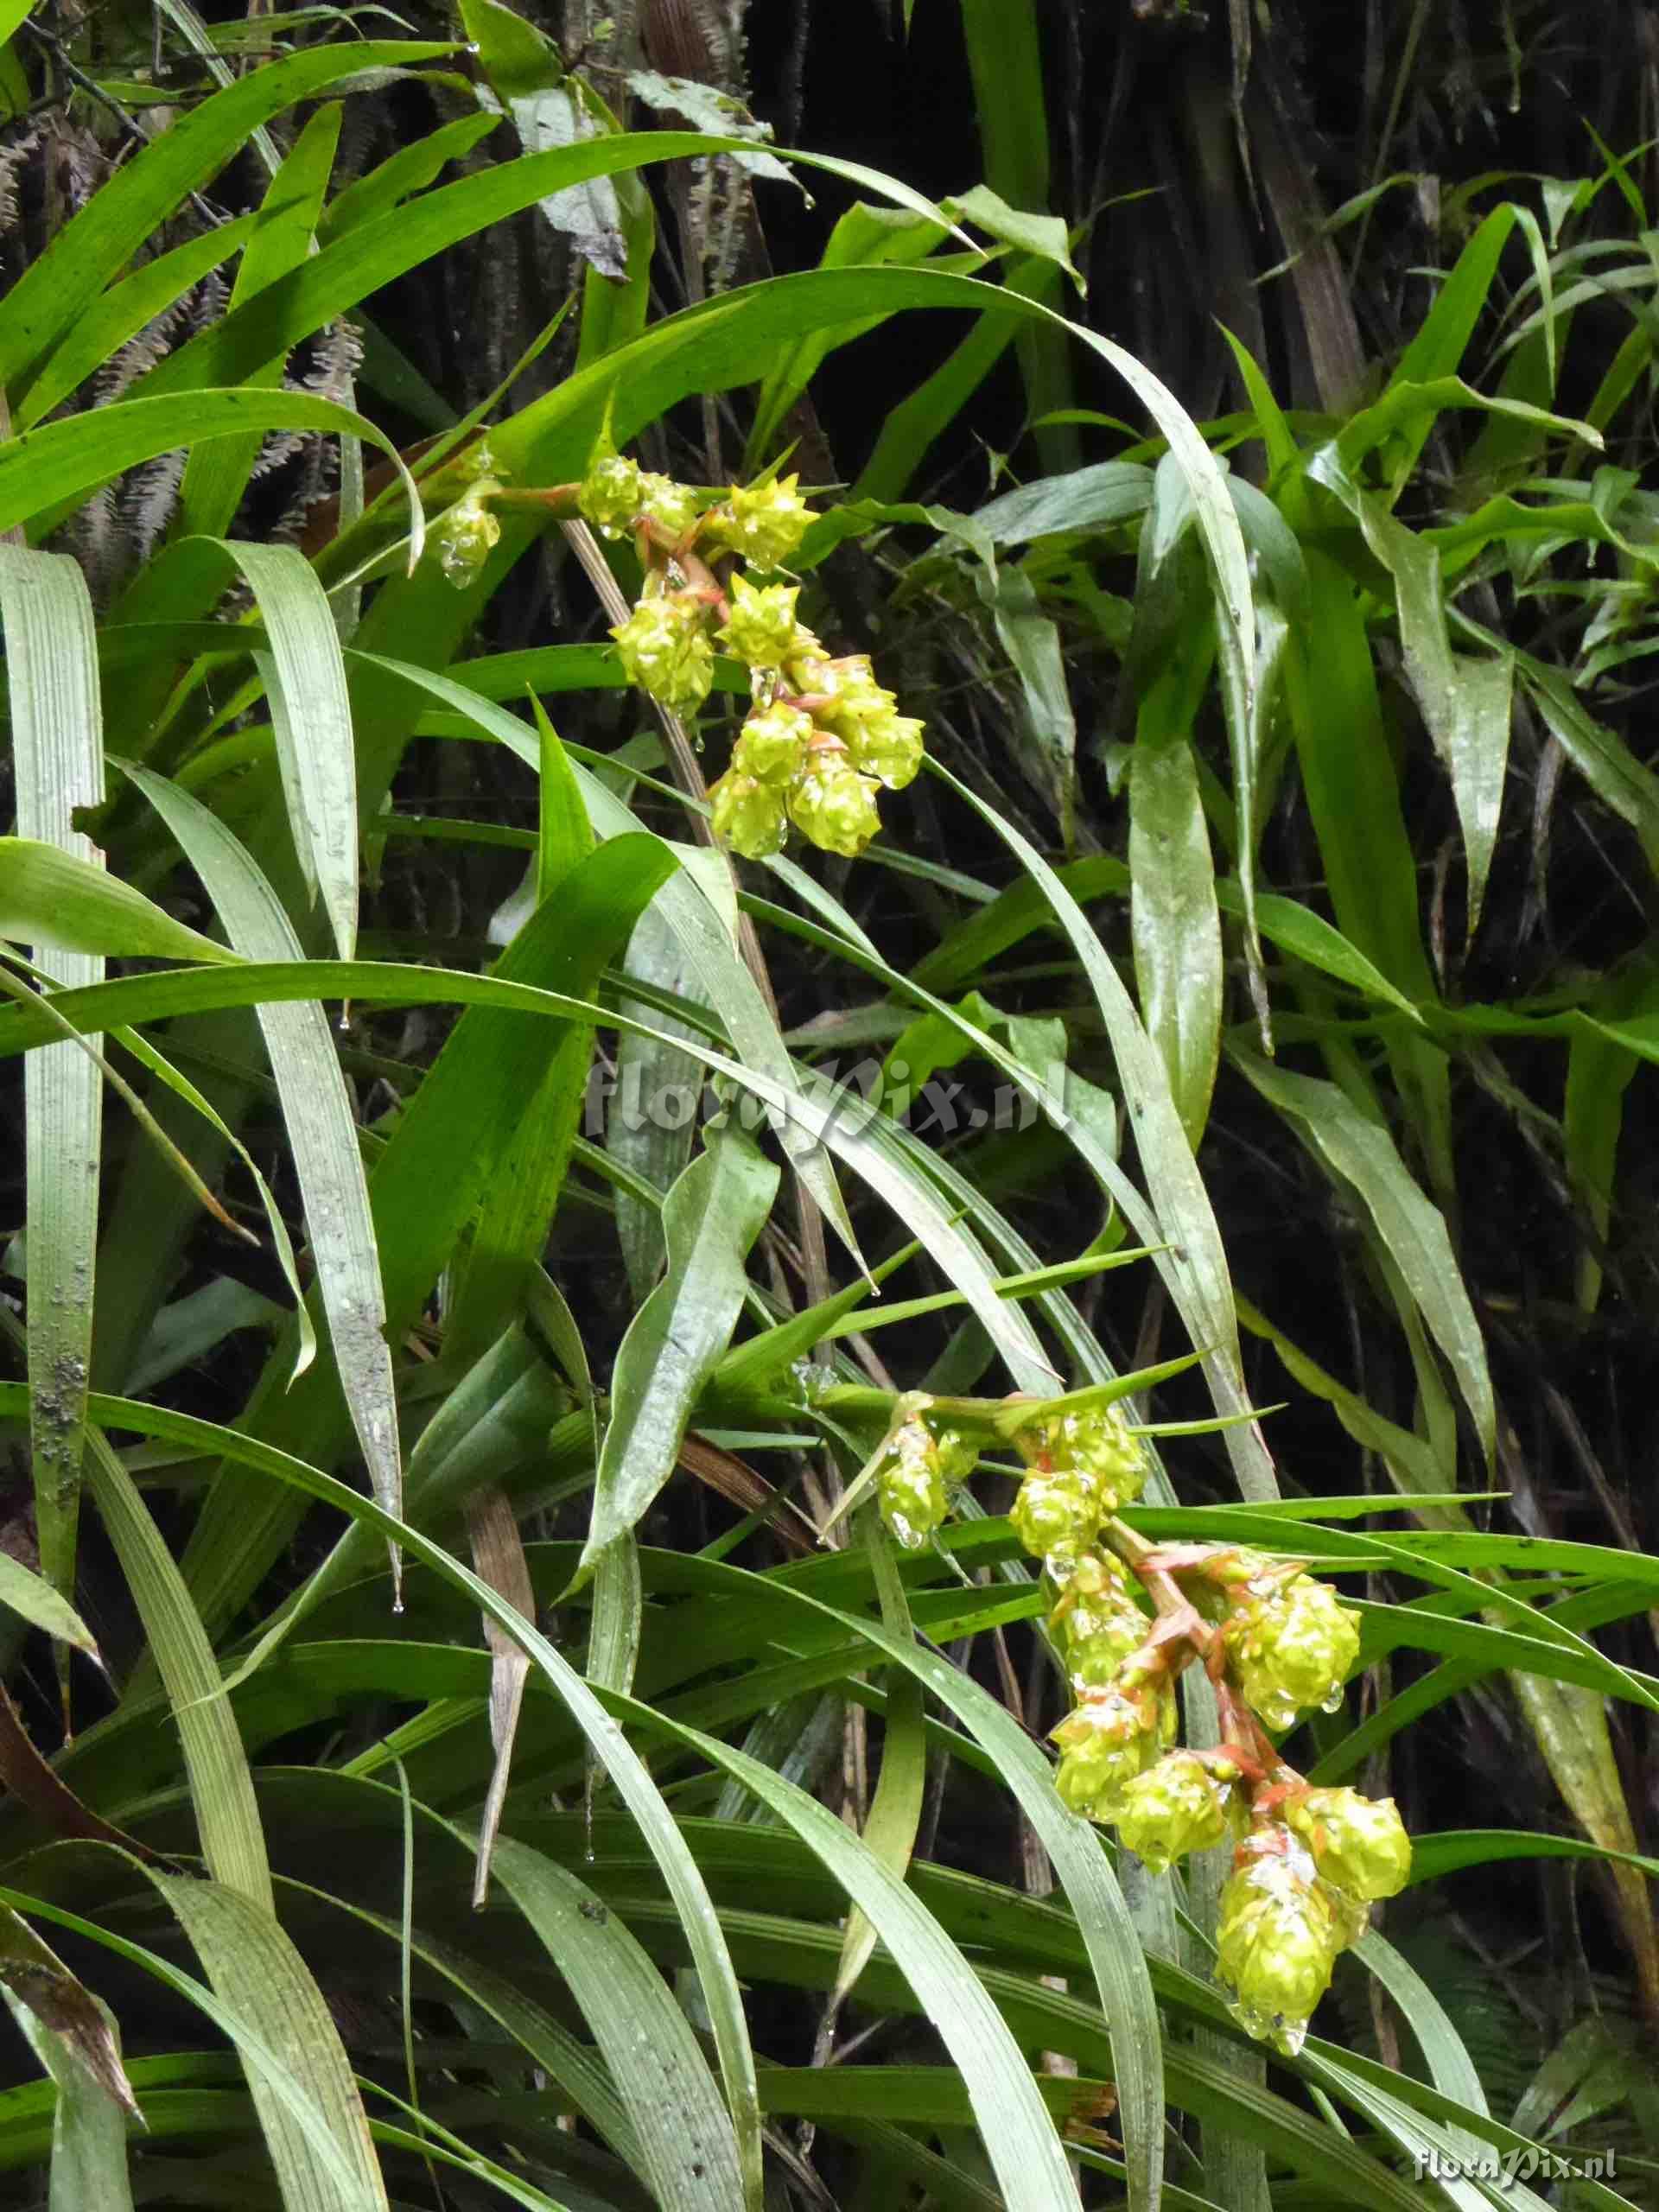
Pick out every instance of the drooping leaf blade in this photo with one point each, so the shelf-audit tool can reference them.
(710, 1218)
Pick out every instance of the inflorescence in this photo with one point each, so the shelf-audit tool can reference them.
(821, 736)
(1127, 1617)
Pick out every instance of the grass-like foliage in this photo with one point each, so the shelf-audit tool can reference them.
(762, 1425)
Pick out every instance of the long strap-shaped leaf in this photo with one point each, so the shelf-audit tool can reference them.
(837, 1120)
(58, 752)
(74, 2034)
(453, 1136)
(311, 716)
(123, 311)
(216, 476)
(50, 897)
(100, 240)
(895, 1813)
(689, 915)
(1019, 2138)
(683, 2132)
(45, 473)
(711, 1217)
(1082, 1868)
(491, 1281)
(263, 2001)
(89, 2129)
(222, 1788)
(372, 253)
(1027, 2150)
(321, 1129)
(253, 1965)
(1361, 1153)
(1198, 1270)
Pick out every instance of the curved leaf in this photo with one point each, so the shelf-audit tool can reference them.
(51, 897)
(58, 766)
(321, 1129)
(710, 1218)
(1413, 1229)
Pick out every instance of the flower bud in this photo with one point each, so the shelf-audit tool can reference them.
(1097, 1623)
(854, 691)
(1097, 1444)
(673, 507)
(1106, 1741)
(465, 537)
(610, 495)
(833, 804)
(882, 743)
(748, 815)
(1276, 1942)
(763, 523)
(663, 647)
(910, 1484)
(762, 629)
(1292, 1649)
(771, 745)
(1358, 1843)
(1175, 1806)
(1100, 1579)
(1056, 1517)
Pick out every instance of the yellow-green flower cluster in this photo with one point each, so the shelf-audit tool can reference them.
(1297, 1896)
(616, 494)
(818, 764)
(762, 524)
(823, 736)
(920, 1465)
(880, 742)
(1082, 1466)
(664, 648)
(1277, 1642)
